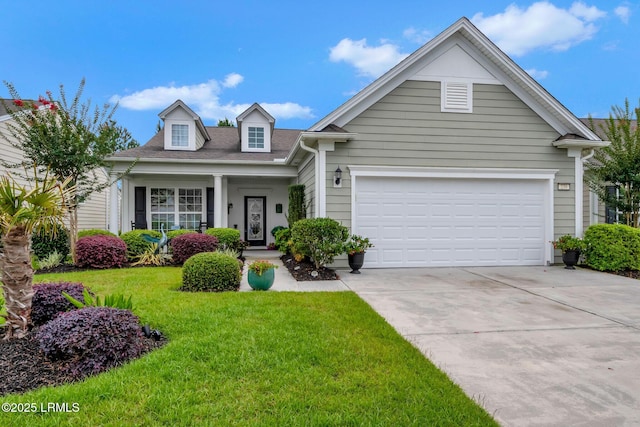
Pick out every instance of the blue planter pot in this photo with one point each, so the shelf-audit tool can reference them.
(261, 283)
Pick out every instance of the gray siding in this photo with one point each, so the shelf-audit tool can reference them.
(306, 176)
(406, 128)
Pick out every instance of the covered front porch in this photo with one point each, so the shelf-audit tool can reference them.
(251, 203)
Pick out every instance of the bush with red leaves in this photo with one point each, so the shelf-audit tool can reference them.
(101, 252)
(48, 301)
(92, 339)
(187, 245)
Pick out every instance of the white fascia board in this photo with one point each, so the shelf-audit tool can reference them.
(319, 136)
(434, 172)
(581, 144)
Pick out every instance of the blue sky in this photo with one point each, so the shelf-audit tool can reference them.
(300, 60)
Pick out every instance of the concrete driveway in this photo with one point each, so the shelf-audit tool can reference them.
(536, 346)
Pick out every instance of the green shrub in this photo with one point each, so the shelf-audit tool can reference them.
(43, 244)
(53, 260)
(297, 204)
(321, 239)
(94, 232)
(612, 247)
(136, 244)
(175, 233)
(227, 237)
(283, 240)
(211, 272)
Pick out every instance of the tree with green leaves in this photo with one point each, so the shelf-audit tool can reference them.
(23, 210)
(226, 123)
(69, 138)
(618, 164)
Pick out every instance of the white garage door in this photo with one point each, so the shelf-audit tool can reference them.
(432, 222)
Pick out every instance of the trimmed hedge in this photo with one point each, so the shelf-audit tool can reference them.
(94, 232)
(42, 245)
(228, 238)
(48, 301)
(175, 233)
(187, 245)
(92, 339)
(136, 244)
(101, 252)
(612, 247)
(211, 272)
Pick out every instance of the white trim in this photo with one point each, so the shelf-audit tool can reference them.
(217, 201)
(114, 208)
(548, 175)
(456, 96)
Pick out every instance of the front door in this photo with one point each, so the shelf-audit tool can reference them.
(255, 220)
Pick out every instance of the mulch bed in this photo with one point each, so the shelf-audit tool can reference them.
(306, 270)
(24, 367)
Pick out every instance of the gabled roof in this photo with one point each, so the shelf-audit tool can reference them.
(180, 104)
(262, 111)
(464, 34)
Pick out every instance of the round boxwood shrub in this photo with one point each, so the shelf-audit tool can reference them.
(211, 272)
(612, 247)
(101, 252)
(185, 246)
(48, 301)
(94, 232)
(136, 243)
(43, 244)
(228, 238)
(321, 239)
(92, 339)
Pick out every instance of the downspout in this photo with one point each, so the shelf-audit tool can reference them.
(316, 192)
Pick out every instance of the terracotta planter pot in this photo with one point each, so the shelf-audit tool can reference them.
(261, 283)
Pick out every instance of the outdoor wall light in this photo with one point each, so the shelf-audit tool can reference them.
(337, 178)
(230, 205)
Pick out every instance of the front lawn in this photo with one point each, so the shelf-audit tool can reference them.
(254, 358)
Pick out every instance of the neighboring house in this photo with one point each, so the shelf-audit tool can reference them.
(456, 156)
(92, 213)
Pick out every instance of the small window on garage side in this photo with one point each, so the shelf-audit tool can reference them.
(457, 97)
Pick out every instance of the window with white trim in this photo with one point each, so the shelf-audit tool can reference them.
(256, 137)
(165, 210)
(179, 135)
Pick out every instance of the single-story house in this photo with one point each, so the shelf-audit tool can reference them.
(454, 157)
(92, 213)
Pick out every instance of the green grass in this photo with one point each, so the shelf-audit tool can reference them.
(255, 358)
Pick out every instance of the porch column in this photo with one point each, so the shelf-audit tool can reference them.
(114, 211)
(323, 147)
(225, 202)
(217, 201)
(576, 153)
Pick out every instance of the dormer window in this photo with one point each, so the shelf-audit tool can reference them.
(256, 137)
(179, 135)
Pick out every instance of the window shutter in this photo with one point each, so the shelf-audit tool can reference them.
(140, 208)
(457, 97)
(209, 207)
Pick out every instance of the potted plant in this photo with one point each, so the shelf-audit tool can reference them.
(571, 248)
(355, 248)
(261, 274)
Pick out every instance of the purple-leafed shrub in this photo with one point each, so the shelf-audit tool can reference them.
(92, 339)
(48, 301)
(187, 245)
(101, 252)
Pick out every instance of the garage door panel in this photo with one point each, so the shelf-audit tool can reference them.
(438, 222)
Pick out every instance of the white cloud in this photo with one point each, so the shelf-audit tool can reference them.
(623, 12)
(538, 74)
(204, 99)
(370, 61)
(232, 80)
(542, 25)
(417, 36)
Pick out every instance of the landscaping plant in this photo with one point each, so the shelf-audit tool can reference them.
(49, 300)
(260, 266)
(88, 300)
(227, 237)
(101, 252)
(185, 246)
(211, 272)
(45, 243)
(94, 232)
(297, 204)
(321, 239)
(612, 247)
(136, 243)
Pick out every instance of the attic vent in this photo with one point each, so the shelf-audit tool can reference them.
(457, 97)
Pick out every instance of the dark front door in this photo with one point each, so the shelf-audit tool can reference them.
(255, 220)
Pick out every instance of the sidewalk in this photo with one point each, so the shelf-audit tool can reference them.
(284, 281)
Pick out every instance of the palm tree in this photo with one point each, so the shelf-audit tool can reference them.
(23, 210)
